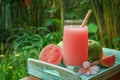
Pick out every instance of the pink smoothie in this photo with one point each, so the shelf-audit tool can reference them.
(75, 45)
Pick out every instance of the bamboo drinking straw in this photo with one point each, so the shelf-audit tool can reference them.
(86, 18)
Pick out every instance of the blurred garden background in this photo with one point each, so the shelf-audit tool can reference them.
(26, 26)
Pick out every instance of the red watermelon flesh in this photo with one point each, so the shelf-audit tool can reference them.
(108, 61)
(51, 54)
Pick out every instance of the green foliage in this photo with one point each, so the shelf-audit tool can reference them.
(93, 31)
(13, 63)
(53, 37)
(31, 38)
(75, 9)
(116, 43)
(92, 28)
(107, 18)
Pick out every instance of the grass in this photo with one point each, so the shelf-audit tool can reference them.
(13, 66)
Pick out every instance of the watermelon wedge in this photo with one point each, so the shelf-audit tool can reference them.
(108, 61)
(51, 54)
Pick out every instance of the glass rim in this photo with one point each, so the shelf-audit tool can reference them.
(73, 21)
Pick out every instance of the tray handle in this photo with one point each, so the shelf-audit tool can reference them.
(48, 71)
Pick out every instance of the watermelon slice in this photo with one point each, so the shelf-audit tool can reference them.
(51, 54)
(108, 61)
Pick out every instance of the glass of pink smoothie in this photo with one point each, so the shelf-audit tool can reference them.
(75, 44)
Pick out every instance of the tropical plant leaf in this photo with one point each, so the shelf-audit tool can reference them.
(92, 28)
(49, 22)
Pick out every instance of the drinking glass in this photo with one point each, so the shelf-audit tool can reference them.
(75, 43)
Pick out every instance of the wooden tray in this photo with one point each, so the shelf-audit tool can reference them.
(48, 71)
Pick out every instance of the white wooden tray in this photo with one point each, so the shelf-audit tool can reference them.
(48, 71)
